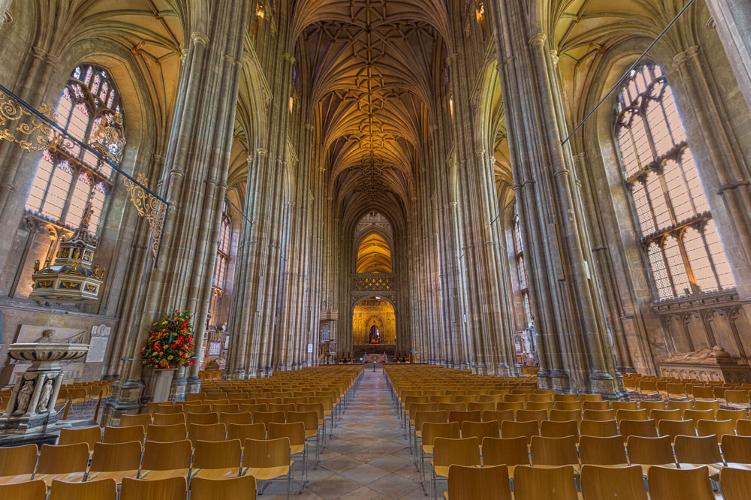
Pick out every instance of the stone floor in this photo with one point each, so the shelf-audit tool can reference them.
(368, 456)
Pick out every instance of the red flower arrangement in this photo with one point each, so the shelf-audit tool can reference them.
(170, 342)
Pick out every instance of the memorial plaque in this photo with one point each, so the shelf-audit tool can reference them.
(97, 349)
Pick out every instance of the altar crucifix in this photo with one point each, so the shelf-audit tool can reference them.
(374, 336)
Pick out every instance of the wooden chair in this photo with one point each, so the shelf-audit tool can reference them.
(424, 416)
(693, 450)
(163, 460)
(166, 433)
(238, 488)
(207, 432)
(568, 406)
(553, 451)
(75, 435)
(648, 451)
(539, 405)
(535, 483)
(594, 397)
(448, 452)
(202, 418)
(124, 434)
(601, 428)
(622, 415)
(696, 415)
(310, 421)
(565, 415)
(735, 483)
(652, 405)
(736, 449)
(596, 406)
(499, 416)
(598, 415)
(115, 461)
(731, 414)
(682, 404)
(595, 450)
(510, 429)
(17, 463)
(509, 405)
(268, 459)
(658, 415)
(713, 405)
(612, 483)
(624, 405)
(170, 488)
(743, 427)
(246, 431)
(718, 428)
(167, 418)
(527, 415)
(236, 418)
(481, 406)
(295, 432)
(268, 417)
(27, 490)
(143, 419)
(674, 428)
(737, 397)
(101, 489)
(506, 451)
(550, 428)
(217, 459)
(644, 428)
(478, 483)
(225, 408)
(66, 462)
(481, 430)
(679, 484)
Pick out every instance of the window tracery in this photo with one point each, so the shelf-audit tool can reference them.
(675, 223)
(68, 176)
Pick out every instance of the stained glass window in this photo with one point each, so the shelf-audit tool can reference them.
(68, 177)
(521, 270)
(221, 267)
(677, 231)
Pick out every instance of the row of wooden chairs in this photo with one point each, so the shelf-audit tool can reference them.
(175, 488)
(596, 483)
(686, 451)
(264, 459)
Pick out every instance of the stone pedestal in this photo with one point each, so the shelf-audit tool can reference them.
(728, 370)
(161, 385)
(31, 408)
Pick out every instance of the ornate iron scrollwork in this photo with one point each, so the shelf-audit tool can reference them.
(148, 206)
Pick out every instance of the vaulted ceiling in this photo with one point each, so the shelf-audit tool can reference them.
(372, 67)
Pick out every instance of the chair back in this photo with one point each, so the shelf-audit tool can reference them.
(103, 489)
(650, 450)
(736, 449)
(601, 428)
(678, 484)
(554, 451)
(697, 450)
(124, 434)
(263, 453)
(596, 450)
(236, 488)
(533, 483)
(511, 429)
(207, 432)
(481, 430)
(158, 455)
(165, 433)
(217, 454)
(75, 435)
(505, 451)
(246, 431)
(478, 483)
(448, 451)
(612, 483)
(18, 460)
(736, 483)
(28, 490)
(62, 459)
(111, 457)
(550, 428)
(173, 488)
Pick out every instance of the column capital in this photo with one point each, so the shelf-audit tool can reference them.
(538, 39)
(682, 57)
(199, 38)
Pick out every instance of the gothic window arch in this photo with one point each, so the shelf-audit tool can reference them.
(221, 267)
(676, 227)
(521, 270)
(69, 176)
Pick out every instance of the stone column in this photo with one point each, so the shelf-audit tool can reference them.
(196, 167)
(733, 21)
(575, 353)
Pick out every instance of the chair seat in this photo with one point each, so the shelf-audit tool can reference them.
(714, 469)
(268, 473)
(69, 477)
(645, 467)
(117, 475)
(164, 474)
(224, 473)
(427, 449)
(311, 433)
(296, 448)
(18, 478)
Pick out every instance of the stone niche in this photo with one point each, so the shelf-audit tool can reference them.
(706, 365)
